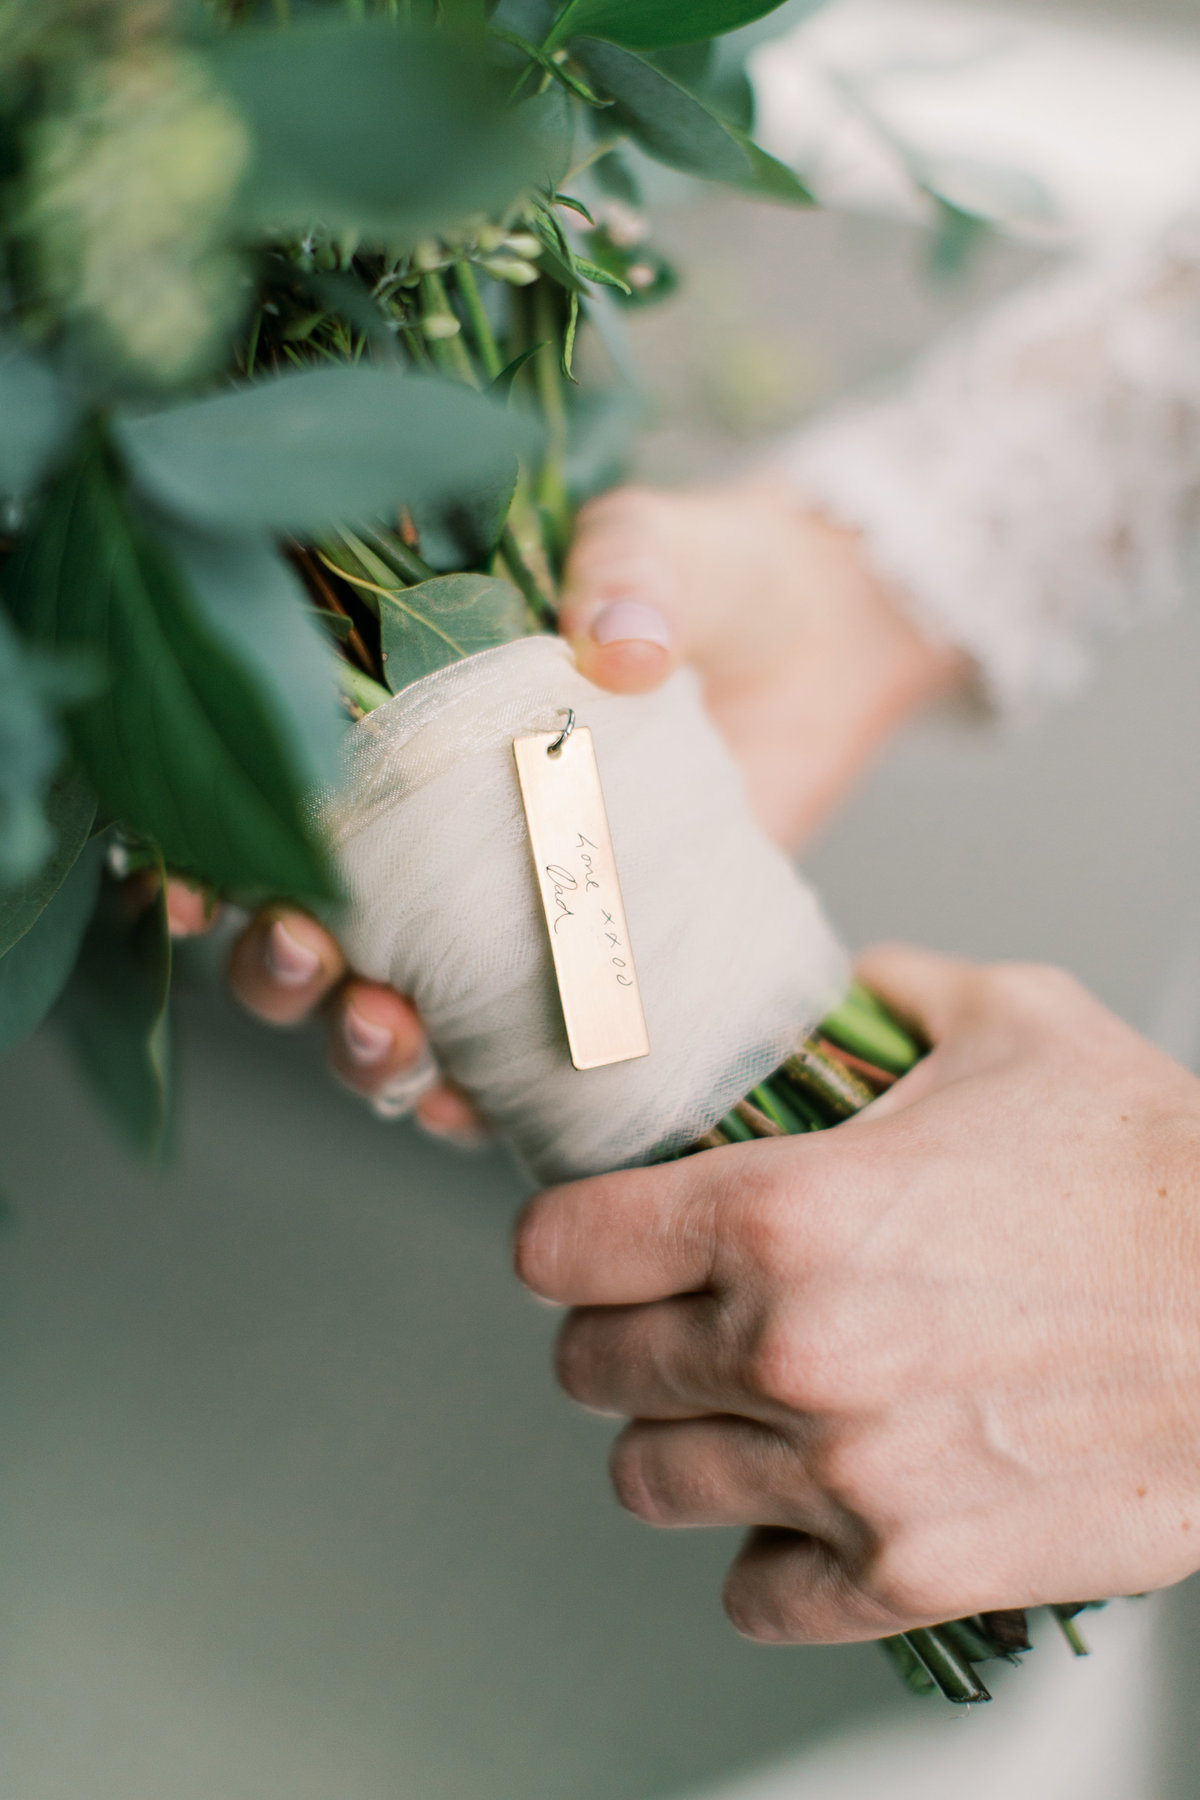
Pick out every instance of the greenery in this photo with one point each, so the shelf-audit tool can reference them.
(291, 301)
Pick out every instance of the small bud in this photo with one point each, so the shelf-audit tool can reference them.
(440, 325)
(523, 243)
(510, 268)
(429, 256)
(640, 276)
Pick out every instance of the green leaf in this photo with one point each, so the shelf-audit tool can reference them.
(34, 971)
(183, 744)
(70, 810)
(250, 598)
(321, 447)
(36, 414)
(424, 628)
(459, 533)
(549, 119)
(655, 24)
(368, 126)
(115, 1012)
(681, 129)
(32, 685)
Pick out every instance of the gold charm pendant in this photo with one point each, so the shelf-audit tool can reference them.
(581, 896)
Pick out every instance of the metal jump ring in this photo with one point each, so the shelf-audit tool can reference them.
(554, 748)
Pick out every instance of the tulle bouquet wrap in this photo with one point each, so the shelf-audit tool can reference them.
(295, 300)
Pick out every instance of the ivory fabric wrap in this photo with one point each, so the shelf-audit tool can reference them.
(733, 955)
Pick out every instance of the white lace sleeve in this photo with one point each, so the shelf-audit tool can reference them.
(1036, 484)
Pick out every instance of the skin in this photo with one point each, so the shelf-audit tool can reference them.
(946, 1358)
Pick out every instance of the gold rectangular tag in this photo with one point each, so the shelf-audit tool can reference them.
(581, 897)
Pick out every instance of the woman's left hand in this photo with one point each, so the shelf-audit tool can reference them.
(945, 1358)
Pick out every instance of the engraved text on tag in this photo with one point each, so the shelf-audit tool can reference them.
(581, 897)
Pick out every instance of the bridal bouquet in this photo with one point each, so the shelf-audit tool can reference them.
(291, 436)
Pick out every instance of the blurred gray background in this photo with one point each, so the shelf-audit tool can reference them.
(290, 1509)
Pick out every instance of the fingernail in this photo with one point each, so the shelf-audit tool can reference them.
(625, 620)
(406, 1087)
(462, 1137)
(366, 1043)
(291, 963)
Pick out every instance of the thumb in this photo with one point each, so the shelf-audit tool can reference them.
(931, 993)
(620, 596)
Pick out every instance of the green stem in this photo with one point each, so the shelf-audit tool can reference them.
(359, 688)
(449, 353)
(952, 1673)
(396, 555)
(481, 326)
(551, 487)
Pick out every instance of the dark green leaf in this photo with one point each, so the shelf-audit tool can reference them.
(465, 531)
(549, 119)
(681, 129)
(183, 744)
(439, 622)
(321, 447)
(654, 24)
(70, 809)
(336, 624)
(115, 1012)
(532, 18)
(34, 971)
(250, 598)
(368, 126)
(36, 413)
(508, 374)
(31, 745)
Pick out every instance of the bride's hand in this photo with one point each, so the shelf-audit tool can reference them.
(807, 666)
(807, 662)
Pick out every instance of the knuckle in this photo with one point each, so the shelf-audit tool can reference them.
(644, 1484)
(574, 1359)
(1033, 990)
(849, 1468)
(782, 1368)
(906, 1579)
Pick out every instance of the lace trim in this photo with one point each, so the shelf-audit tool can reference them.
(1036, 484)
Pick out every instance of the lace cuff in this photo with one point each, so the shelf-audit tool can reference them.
(1036, 484)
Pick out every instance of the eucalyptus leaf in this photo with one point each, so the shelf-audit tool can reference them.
(34, 971)
(423, 628)
(655, 24)
(370, 126)
(683, 130)
(182, 745)
(70, 810)
(549, 119)
(33, 686)
(321, 447)
(36, 414)
(251, 599)
(465, 530)
(115, 1010)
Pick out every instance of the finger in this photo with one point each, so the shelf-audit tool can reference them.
(191, 910)
(283, 965)
(668, 1360)
(619, 595)
(927, 991)
(615, 1240)
(445, 1112)
(718, 1471)
(789, 1587)
(378, 1048)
